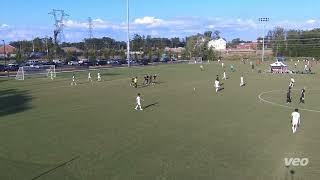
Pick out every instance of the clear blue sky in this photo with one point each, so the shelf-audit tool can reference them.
(26, 16)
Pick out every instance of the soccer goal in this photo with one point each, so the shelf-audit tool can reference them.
(195, 60)
(51, 71)
(20, 74)
(48, 71)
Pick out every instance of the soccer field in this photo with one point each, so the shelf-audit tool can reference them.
(51, 130)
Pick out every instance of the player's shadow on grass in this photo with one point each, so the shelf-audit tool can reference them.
(150, 105)
(14, 101)
(148, 85)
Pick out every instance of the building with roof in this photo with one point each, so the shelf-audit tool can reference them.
(218, 44)
(7, 51)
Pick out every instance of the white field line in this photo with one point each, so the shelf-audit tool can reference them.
(276, 104)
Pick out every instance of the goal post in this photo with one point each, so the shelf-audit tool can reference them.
(48, 71)
(51, 71)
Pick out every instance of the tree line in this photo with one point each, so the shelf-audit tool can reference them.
(107, 47)
(294, 43)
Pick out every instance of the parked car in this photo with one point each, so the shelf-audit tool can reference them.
(12, 67)
(101, 62)
(116, 62)
(87, 63)
(155, 59)
(73, 63)
(2, 68)
(49, 63)
(164, 59)
(144, 61)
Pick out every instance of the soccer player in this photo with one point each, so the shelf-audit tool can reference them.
(217, 78)
(291, 83)
(147, 79)
(295, 65)
(132, 81)
(232, 68)
(201, 68)
(99, 77)
(154, 78)
(73, 80)
(224, 75)
(289, 100)
(302, 95)
(89, 77)
(222, 64)
(295, 121)
(138, 102)
(217, 85)
(306, 67)
(51, 75)
(242, 81)
(135, 82)
(145, 82)
(252, 65)
(150, 79)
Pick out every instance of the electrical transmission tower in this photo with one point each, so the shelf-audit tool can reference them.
(59, 17)
(90, 27)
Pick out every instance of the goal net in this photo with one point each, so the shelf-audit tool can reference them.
(51, 71)
(195, 60)
(20, 74)
(48, 71)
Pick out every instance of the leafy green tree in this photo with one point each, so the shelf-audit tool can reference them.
(19, 57)
(216, 35)
(208, 34)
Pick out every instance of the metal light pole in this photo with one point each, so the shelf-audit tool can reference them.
(4, 52)
(47, 50)
(128, 35)
(263, 20)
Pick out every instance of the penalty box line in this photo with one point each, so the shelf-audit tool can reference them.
(281, 105)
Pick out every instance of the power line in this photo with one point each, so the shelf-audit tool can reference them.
(302, 39)
(59, 17)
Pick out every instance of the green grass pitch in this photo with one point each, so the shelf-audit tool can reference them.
(51, 130)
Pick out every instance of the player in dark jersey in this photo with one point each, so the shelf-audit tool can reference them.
(289, 100)
(302, 95)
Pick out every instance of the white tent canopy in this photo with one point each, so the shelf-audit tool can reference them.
(278, 67)
(277, 64)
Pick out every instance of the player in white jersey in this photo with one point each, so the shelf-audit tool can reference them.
(224, 75)
(292, 81)
(51, 75)
(217, 85)
(222, 64)
(295, 121)
(89, 77)
(99, 77)
(138, 102)
(73, 80)
(242, 83)
(201, 67)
